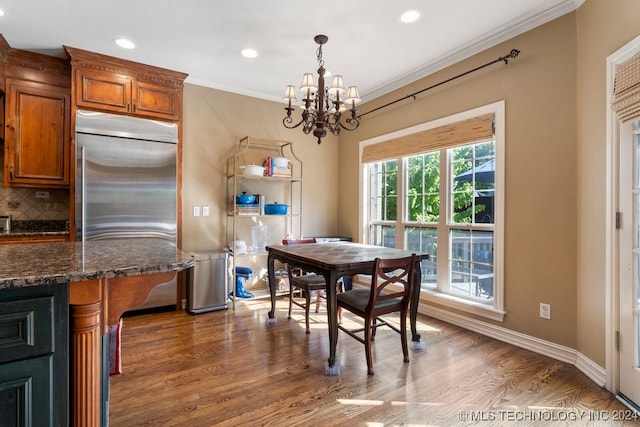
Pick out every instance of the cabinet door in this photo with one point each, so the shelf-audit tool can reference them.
(34, 356)
(26, 393)
(37, 135)
(104, 91)
(157, 101)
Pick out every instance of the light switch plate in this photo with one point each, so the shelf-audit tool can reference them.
(205, 210)
(196, 211)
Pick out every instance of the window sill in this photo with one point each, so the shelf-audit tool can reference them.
(460, 304)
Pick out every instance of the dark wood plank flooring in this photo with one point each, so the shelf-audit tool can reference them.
(230, 368)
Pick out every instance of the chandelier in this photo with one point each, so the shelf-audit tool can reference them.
(323, 107)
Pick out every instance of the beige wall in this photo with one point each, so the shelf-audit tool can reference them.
(540, 230)
(604, 26)
(214, 122)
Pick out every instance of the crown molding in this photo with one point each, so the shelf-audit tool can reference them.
(493, 38)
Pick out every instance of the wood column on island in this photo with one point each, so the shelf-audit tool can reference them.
(96, 304)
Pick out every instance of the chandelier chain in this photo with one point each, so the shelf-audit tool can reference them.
(319, 56)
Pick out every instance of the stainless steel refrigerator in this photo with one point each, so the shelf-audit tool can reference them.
(126, 184)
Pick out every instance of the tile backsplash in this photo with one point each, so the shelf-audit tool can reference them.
(22, 204)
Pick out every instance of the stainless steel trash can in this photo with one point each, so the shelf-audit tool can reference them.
(208, 282)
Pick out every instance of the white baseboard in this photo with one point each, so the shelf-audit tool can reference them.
(558, 352)
(595, 372)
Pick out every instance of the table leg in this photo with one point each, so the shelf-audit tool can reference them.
(331, 280)
(272, 283)
(415, 299)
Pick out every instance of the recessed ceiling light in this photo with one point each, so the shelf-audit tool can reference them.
(125, 43)
(410, 16)
(249, 53)
(1, 12)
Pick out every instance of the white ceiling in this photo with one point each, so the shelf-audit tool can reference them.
(367, 43)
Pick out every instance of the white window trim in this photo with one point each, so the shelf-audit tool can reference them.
(495, 312)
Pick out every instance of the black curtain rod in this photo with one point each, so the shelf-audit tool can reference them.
(512, 55)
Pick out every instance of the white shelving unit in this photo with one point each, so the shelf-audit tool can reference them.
(281, 190)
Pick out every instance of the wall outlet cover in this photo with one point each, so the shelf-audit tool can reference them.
(545, 311)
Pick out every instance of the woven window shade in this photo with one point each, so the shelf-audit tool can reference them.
(464, 132)
(626, 89)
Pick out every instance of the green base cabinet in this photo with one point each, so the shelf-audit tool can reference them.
(34, 356)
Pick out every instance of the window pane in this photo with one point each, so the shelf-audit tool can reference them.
(424, 240)
(383, 187)
(423, 188)
(471, 264)
(383, 235)
(473, 186)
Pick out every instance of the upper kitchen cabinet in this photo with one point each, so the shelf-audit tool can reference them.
(119, 86)
(37, 119)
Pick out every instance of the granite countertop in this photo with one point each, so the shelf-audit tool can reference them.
(37, 228)
(33, 264)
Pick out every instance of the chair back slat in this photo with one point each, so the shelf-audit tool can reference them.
(392, 279)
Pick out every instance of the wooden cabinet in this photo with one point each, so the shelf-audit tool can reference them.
(37, 127)
(111, 84)
(34, 343)
(37, 134)
(123, 94)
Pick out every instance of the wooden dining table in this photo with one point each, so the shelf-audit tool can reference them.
(333, 260)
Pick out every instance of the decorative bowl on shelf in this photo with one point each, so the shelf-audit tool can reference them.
(245, 199)
(252, 170)
(275, 209)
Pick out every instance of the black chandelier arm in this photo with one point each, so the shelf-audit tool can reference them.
(352, 123)
(511, 55)
(287, 122)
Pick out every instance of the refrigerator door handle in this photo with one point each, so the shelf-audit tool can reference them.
(83, 180)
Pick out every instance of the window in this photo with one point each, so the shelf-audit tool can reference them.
(437, 188)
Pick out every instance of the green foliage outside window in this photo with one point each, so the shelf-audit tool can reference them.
(424, 180)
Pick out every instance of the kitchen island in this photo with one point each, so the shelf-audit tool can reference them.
(79, 289)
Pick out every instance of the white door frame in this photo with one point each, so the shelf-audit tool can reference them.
(612, 257)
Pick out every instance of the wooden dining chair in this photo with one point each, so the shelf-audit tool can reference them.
(305, 283)
(389, 291)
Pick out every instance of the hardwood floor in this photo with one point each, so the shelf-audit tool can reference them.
(231, 368)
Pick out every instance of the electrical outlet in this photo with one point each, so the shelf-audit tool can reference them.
(545, 310)
(205, 210)
(196, 211)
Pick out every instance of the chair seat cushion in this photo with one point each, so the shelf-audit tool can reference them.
(308, 280)
(359, 298)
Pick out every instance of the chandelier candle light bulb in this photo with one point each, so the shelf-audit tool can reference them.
(323, 107)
